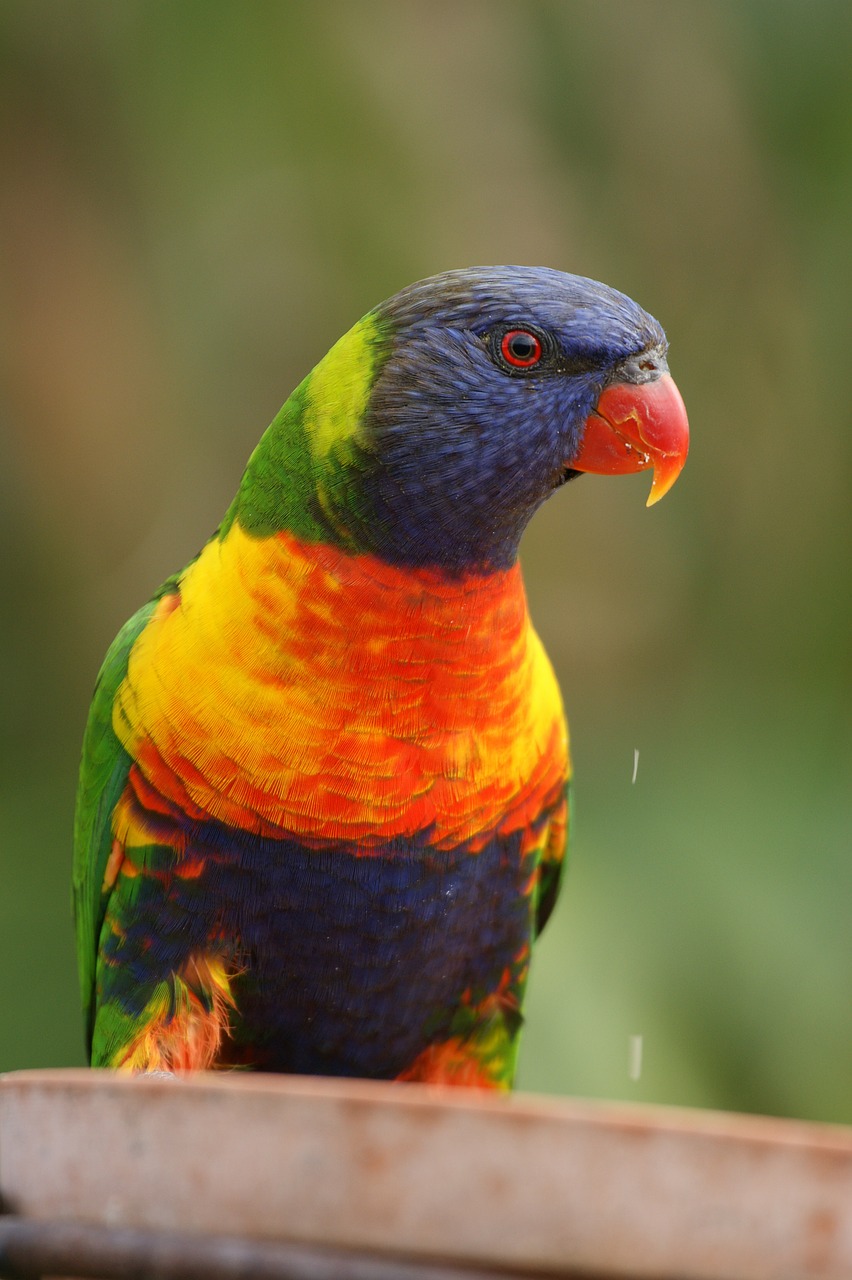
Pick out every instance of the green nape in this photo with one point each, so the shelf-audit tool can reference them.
(314, 446)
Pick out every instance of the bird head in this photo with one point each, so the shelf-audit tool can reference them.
(435, 428)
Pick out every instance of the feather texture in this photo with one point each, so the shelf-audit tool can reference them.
(322, 811)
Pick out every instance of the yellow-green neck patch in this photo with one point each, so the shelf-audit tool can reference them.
(339, 388)
(313, 449)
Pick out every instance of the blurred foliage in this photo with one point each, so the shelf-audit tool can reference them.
(197, 198)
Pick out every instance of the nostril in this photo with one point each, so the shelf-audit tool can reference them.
(648, 365)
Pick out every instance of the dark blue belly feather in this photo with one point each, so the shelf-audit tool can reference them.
(350, 965)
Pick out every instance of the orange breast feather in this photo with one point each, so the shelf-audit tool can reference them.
(296, 690)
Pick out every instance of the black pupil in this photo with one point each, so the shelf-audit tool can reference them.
(522, 346)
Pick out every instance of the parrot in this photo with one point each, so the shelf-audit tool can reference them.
(323, 804)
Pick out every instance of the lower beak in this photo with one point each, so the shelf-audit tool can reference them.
(633, 427)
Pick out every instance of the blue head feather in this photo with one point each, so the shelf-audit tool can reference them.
(459, 451)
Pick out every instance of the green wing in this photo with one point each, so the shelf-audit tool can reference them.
(103, 775)
(552, 866)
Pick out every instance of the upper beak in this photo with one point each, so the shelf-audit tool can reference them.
(635, 426)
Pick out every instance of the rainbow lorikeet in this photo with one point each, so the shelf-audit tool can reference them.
(322, 809)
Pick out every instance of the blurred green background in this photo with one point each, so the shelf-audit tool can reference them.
(198, 197)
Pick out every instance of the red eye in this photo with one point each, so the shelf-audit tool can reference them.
(520, 348)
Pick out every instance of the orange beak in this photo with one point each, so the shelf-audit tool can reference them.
(635, 426)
